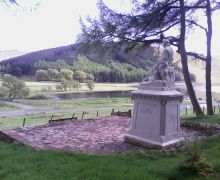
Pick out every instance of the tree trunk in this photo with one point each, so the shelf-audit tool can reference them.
(208, 60)
(184, 62)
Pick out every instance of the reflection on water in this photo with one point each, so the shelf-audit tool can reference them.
(89, 95)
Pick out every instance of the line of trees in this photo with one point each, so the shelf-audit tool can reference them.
(83, 69)
(68, 79)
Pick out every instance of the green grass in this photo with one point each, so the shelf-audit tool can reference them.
(42, 118)
(6, 107)
(66, 109)
(19, 162)
(215, 119)
(78, 103)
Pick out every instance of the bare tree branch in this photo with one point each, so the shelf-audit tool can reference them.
(196, 24)
(195, 55)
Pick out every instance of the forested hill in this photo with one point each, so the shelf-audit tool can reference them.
(106, 63)
(26, 61)
(138, 56)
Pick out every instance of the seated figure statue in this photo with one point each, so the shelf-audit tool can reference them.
(162, 73)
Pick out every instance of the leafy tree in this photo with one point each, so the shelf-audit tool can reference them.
(3, 91)
(53, 74)
(90, 84)
(42, 75)
(66, 74)
(71, 84)
(65, 84)
(15, 88)
(79, 75)
(76, 85)
(89, 77)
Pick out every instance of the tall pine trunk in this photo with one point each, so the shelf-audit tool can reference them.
(209, 60)
(184, 62)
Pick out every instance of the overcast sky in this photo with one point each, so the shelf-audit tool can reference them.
(55, 23)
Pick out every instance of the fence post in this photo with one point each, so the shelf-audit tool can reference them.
(97, 114)
(73, 115)
(129, 111)
(186, 109)
(214, 109)
(83, 115)
(113, 112)
(24, 122)
(203, 109)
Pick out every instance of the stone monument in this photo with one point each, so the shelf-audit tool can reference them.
(156, 111)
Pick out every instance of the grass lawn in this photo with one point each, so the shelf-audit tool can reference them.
(6, 107)
(42, 118)
(78, 103)
(215, 119)
(20, 162)
(65, 109)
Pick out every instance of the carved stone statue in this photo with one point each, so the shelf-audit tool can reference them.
(162, 73)
(156, 110)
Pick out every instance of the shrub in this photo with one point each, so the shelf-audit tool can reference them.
(196, 164)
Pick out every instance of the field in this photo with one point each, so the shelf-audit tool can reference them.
(44, 117)
(44, 109)
(77, 103)
(38, 86)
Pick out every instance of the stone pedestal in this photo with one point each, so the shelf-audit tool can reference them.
(156, 117)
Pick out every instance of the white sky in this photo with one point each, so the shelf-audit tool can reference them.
(56, 23)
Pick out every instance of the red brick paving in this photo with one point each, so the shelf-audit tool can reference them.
(95, 136)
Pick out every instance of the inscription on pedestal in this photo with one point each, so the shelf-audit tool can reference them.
(172, 119)
(147, 117)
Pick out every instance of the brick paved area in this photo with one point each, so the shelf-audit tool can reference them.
(95, 136)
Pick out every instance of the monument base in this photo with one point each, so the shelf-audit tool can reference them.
(156, 118)
(150, 143)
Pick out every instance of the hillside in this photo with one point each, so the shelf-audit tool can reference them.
(139, 57)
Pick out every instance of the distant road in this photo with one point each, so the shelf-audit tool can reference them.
(19, 105)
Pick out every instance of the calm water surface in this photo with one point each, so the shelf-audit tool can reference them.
(89, 95)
